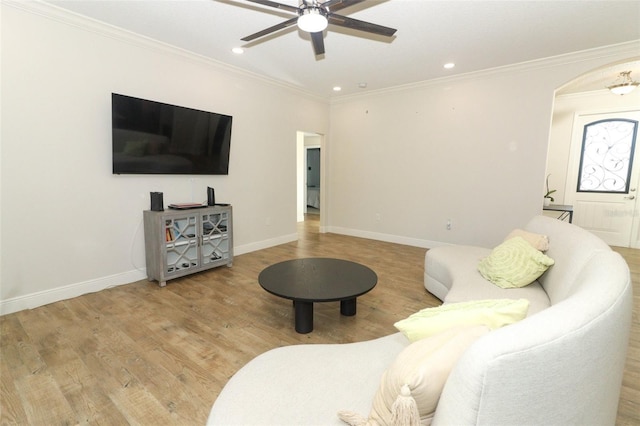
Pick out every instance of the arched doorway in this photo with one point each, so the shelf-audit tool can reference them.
(579, 102)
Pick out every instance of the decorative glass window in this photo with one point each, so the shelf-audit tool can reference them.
(607, 156)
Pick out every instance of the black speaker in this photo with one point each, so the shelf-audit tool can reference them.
(157, 205)
(211, 196)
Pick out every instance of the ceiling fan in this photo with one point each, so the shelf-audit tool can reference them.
(314, 16)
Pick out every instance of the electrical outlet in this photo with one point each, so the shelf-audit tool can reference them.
(378, 217)
(448, 224)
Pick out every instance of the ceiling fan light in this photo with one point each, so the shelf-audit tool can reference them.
(627, 86)
(623, 89)
(312, 21)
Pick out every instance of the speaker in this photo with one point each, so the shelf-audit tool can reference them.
(157, 204)
(211, 196)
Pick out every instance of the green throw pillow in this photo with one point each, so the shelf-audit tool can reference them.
(493, 313)
(514, 263)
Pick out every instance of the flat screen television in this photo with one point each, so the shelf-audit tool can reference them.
(156, 138)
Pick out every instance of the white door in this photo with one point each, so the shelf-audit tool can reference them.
(602, 180)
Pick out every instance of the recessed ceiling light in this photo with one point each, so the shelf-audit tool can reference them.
(449, 65)
(362, 85)
(238, 50)
(337, 88)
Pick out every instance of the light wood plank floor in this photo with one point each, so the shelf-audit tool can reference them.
(141, 354)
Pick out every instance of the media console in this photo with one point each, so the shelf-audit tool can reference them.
(182, 242)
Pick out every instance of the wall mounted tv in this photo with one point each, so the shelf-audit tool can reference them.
(156, 138)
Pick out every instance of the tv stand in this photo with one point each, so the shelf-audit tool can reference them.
(183, 242)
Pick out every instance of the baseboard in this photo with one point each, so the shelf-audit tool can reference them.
(260, 245)
(33, 300)
(389, 238)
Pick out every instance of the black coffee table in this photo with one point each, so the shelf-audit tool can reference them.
(310, 280)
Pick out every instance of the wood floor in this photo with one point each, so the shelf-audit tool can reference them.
(144, 355)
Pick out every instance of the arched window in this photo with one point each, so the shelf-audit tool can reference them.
(607, 156)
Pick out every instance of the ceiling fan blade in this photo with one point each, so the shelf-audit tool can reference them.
(269, 30)
(318, 43)
(276, 5)
(356, 24)
(334, 5)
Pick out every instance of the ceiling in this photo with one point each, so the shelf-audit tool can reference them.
(475, 35)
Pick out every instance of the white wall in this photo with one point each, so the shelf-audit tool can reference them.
(68, 225)
(470, 149)
(565, 109)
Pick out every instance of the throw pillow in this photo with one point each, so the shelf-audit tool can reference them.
(514, 263)
(538, 241)
(412, 384)
(493, 313)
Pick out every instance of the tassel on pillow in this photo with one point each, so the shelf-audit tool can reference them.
(410, 388)
(404, 411)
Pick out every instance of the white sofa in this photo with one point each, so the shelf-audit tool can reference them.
(561, 365)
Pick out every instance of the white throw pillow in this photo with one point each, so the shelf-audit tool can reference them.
(423, 368)
(537, 241)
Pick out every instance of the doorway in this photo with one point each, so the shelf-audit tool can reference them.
(603, 175)
(310, 177)
(313, 180)
(581, 101)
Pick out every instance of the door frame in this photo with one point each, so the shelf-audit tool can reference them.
(573, 165)
(301, 166)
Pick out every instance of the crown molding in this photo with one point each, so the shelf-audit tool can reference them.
(50, 11)
(630, 48)
(85, 23)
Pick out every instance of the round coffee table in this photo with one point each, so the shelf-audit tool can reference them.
(310, 280)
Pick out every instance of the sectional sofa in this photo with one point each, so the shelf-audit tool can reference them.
(561, 365)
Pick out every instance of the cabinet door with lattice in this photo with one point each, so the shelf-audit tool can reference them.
(182, 251)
